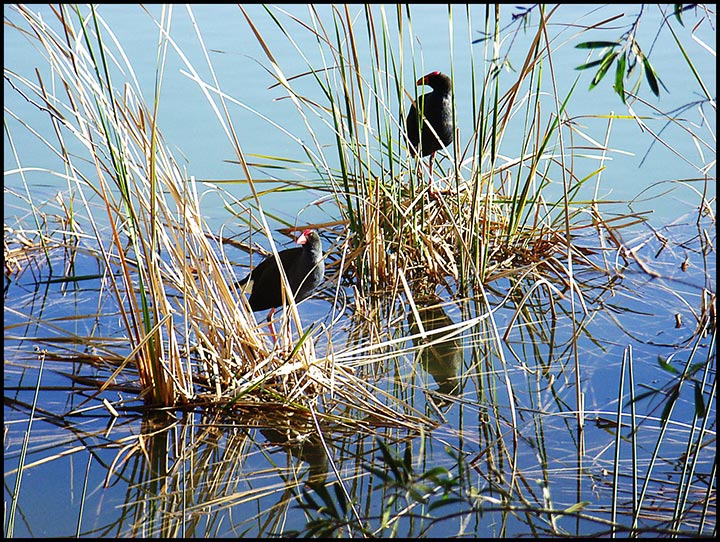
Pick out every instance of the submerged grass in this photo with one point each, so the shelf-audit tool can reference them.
(523, 269)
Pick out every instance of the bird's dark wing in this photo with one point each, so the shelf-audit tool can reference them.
(412, 128)
(266, 272)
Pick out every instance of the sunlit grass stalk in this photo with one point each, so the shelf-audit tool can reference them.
(698, 431)
(149, 360)
(485, 125)
(626, 360)
(10, 529)
(473, 256)
(83, 496)
(664, 421)
(634, 421)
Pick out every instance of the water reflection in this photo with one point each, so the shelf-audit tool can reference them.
(183, 473)
(440, 358)
(303, 445)
(150, 501)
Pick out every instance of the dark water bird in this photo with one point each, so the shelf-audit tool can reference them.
(434, 131)
(304, 267)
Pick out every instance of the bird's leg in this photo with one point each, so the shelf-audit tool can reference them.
(432, 161)
(272, 328)
(431, 188)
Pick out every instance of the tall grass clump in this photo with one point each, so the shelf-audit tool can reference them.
(189, 336)
(495, 216)
(497, 219)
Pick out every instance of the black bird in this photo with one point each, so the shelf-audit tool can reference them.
(304, 267)
(434, 131)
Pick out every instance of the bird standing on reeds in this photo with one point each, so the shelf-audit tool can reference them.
(434, 131)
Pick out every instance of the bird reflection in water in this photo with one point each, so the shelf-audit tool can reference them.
(440, 358)
(305, 446)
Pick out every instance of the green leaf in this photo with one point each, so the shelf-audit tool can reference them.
(666, 366)
(340, 496)
(678, 11)
(604, 67)
(380, 473)
(668, 407)
(700, 409)
(323, 493)
(436, 474)
(589, 65)
(651, 77)
(619, 85)
(420, 492)
(408, 458)
(577, 506)
(389, 459)
(310, 502)
(596, 44)
(642, 396)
